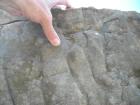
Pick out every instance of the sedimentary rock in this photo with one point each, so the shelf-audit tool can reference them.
(98, 62)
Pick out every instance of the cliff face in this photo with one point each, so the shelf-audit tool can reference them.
(98, 62)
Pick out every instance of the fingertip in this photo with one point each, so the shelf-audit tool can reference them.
(56, 42)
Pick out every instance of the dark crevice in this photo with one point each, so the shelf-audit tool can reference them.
(11, 22)
(1, 27)
(122, 94)
(138, 86)
(104, 28)
(87, 99)
(137, 73)
(111, 19)
(115, 16)
(106, 53)
(86, 36)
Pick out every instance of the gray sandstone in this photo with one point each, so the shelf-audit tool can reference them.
(98, 62)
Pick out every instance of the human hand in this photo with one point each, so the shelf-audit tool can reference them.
(39, 11)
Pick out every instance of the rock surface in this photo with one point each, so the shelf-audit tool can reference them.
(98, 62)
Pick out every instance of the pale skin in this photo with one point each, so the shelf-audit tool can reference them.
(37, 11)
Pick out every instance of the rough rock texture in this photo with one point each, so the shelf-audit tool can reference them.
(98, 62)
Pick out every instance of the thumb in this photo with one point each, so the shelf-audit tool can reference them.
(50, 33)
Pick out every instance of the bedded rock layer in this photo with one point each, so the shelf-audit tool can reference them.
(98, 62)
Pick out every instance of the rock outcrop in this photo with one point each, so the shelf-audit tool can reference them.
(98, 62)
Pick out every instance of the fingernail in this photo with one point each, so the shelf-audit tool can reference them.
(56, 42)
